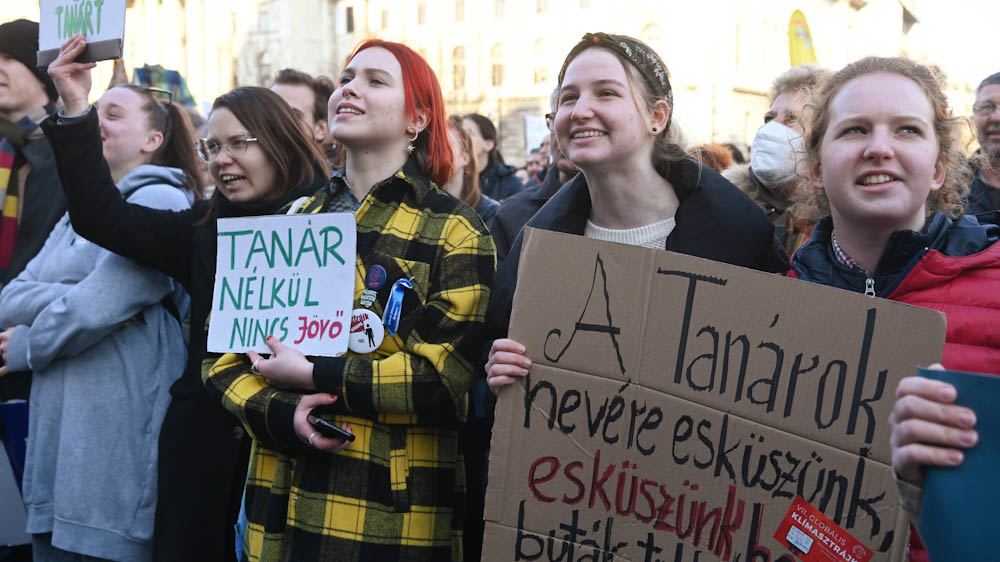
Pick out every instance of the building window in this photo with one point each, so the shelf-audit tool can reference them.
(458, 67)
(385, 19)
(459, 10)
(349, 18)
(541, 6)
(541, 56)
(496, 57)
(498, 8)
(421, 13)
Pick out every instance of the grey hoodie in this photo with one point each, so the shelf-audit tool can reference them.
(103, 351)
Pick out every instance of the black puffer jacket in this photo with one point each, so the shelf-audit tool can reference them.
(499, 182)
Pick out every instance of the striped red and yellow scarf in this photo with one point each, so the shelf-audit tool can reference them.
(11, 160)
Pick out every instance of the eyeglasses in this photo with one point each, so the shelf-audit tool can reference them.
(550, 120)
(208, 149)
(162, 93)
(984, 109)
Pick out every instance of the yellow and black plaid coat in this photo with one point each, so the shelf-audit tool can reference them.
(397, 492)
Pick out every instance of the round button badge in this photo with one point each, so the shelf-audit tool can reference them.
(367, 331)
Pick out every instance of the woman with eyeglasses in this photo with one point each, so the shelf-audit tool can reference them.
(262, 162)
(101, 336)
(396, 492)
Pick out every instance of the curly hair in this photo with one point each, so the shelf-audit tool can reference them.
(950, 198)
(796, 78)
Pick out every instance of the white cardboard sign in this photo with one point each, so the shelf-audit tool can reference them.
(290, 276)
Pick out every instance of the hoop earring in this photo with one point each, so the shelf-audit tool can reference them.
(409, 146)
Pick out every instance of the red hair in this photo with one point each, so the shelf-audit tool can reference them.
(422, 92)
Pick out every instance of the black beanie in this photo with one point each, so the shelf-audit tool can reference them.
(19, 39)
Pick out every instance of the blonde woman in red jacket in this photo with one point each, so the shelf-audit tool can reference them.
(882, 155)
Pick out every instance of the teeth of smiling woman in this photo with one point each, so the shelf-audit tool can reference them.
(877, 178)
(348, 110)
(586, 134)
(230, 178)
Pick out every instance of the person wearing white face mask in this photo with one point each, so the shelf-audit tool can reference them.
(770, 178)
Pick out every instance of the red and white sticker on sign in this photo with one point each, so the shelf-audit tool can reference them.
(814, 537)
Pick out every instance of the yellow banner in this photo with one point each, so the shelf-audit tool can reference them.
(800, 43)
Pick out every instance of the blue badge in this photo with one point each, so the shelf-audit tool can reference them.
(375, 278)
(395, 305)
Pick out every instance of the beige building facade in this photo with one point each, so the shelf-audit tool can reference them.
(199, 38)
(501, 58)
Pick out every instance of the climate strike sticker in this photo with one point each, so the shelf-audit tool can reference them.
(814, 537)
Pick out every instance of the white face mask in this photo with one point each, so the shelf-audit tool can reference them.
(773, 153)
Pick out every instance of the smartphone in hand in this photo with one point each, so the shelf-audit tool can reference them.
(327, 429)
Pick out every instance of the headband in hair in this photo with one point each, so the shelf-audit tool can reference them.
(644, 60)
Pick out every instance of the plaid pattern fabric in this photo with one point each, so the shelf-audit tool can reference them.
(398, 491)
(842, 256)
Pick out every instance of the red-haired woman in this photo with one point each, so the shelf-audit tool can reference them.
(396, 492)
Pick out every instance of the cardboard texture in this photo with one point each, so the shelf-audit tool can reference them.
(676, 406)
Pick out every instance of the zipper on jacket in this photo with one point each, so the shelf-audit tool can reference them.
(869, 286)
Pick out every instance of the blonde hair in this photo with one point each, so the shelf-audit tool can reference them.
(801, 77)
(669, 144)
(950, 198)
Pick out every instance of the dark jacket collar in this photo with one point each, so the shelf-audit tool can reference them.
(815, 260)
(411, 177)
(225, 208)
(715, 220)
(549, 186)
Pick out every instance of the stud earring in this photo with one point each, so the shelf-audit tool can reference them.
(416, 133)
(654, 129)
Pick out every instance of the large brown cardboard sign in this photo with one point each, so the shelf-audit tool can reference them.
(676, 406)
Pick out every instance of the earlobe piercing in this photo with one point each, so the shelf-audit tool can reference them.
(416, 133)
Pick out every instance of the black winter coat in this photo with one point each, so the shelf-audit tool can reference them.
(715, 220)
(202, 449)
(499, 182)
(519, 209)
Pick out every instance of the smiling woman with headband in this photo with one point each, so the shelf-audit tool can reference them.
(637, 186)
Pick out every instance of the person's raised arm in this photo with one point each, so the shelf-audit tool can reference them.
(158, 239)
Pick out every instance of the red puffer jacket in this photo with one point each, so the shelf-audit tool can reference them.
(952, 266)
(967, 290)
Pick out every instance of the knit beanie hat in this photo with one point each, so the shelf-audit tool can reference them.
(19, 39)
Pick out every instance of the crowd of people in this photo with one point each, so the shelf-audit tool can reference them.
(142, 444)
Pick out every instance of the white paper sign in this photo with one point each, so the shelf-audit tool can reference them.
(97, 20)
(535, 131)
(102, 22)
(290, 276)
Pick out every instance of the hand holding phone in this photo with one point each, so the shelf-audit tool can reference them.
(327, 429)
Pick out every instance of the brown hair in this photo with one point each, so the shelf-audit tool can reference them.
(950, 198)
(177, 149)
(296, 158)
(470, 175)
(321, 86)
(669, 145)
